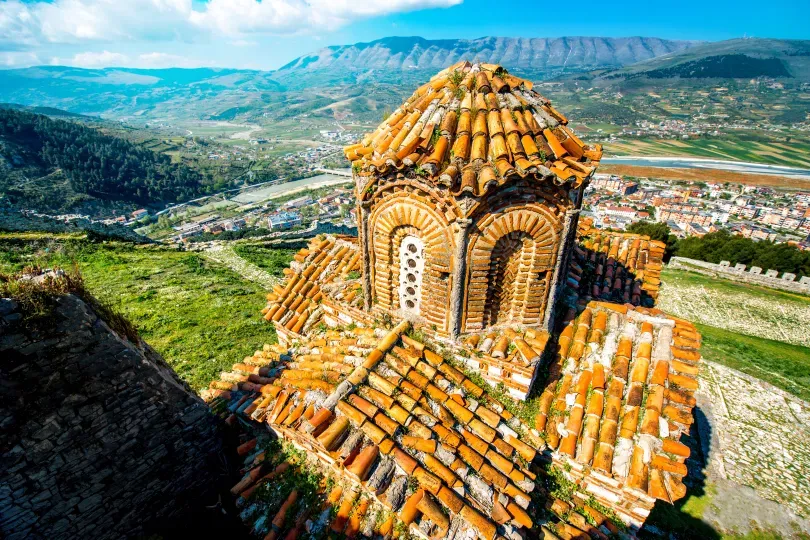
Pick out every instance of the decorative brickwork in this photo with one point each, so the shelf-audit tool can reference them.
(411, 213)
(411, 270)
(482, 170)
(511, 257)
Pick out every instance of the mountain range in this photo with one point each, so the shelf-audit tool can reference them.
(731, 59)
(120, 92)
(549, 55)
(363, 76)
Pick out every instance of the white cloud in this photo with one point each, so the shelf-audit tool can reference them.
(27, 24)
(94, 60)
(14, 59)
(103, 59)
(73, 21)
(295, 16)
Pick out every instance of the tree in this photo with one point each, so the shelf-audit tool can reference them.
(723, 246)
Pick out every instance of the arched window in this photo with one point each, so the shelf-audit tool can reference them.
(411, 268)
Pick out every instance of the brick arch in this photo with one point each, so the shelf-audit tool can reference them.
(398, 185)
(510, 260)
(391, 220)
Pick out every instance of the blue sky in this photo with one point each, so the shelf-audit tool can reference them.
(268, 34)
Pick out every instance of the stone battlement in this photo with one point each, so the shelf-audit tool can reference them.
(739, 273)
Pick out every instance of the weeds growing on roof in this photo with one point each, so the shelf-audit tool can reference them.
(434, 138)
(456, 78)
(386, 112)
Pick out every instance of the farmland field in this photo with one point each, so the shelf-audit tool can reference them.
(706, 175)
(777, 150)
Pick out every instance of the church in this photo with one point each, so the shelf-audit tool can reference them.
(478, 361)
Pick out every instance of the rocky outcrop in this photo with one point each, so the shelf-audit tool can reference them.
(100, 437)
(11, 220)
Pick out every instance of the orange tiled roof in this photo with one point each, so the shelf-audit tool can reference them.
(620, 267)
(325, 267)
(381, 409)
(505, 356)
(474, 126)
(378, 408)
(619, 397)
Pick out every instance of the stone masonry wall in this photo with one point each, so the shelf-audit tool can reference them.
(98, 436)
(716, 270)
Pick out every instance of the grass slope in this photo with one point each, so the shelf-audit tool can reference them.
(753, 329)
(199, 315)
(783, 365)
(274, 261)
(738, 307)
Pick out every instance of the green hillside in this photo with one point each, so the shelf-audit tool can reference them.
(49, 163)
(199, 315)
(756, 330)
(734, 58)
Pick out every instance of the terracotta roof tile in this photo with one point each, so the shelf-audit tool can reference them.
(613, 266)
(617, 398)
(471, 128)
(617, 430)
(425, 443)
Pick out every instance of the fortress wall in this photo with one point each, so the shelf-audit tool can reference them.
(725, 272)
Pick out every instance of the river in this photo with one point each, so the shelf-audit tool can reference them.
(701, 163)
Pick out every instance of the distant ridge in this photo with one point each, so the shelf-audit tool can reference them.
(47, 111)
(745, 58)
(546, 54)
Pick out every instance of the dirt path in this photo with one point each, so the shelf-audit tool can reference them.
(224, 254)
(245, 135)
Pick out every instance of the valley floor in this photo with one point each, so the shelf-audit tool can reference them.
(768, 148)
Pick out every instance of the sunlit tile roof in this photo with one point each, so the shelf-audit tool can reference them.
(473, 127)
